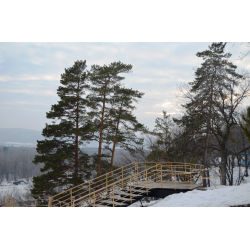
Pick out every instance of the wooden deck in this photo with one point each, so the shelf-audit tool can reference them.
(167, 185)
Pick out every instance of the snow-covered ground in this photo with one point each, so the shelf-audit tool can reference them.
(221, 196)
(20, 191)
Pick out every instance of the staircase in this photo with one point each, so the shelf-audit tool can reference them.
(126, 185)
(123, 198)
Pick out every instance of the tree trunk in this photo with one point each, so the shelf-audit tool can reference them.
(101, 132)
(114, 145)
(100, 141)
(208, 130)
(223, 168)
(76, 140)
(113, 151)
(246, 164)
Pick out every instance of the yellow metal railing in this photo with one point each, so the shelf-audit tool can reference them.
(66, 198)
(106, 188)
(129, 181)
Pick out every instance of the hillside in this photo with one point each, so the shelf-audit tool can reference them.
(19, 136)
(25, 137)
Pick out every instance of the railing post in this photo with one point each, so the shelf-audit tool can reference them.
(137, 173)
(89, 194)
(171, 172)
(200, 177)
(190, 177)
(130, 191)
(50, 202)
(94, 199)
(71, 197)
(175, 178)
(107, 183)
(161, 175)
(147, 181)
(122, 177)
(156, 173)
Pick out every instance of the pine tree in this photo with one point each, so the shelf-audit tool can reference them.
(160, 149)
(64, 162)
(122, 124)
(213, 80)
(103, 79)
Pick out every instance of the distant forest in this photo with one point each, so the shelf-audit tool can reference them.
(16, 162)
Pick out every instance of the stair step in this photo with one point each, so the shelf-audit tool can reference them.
(127, 194)
(137, 191)
(127, 199)
(109, 202)
(135, 197)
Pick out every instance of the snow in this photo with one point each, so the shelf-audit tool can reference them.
(221, 196)
(16, 191)
(224, 196)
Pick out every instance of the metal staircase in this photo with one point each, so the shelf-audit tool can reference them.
(128, 184)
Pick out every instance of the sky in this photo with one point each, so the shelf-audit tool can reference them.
(30, 75)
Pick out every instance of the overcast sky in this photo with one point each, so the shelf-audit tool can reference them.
(30, 75)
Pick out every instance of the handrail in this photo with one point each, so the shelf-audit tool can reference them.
(98, 183)
(142, 175)
(117, 185)
(98, 179)
(108, 188)
(129, 177)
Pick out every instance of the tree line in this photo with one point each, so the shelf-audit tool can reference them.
(16, 163)
(95, 105)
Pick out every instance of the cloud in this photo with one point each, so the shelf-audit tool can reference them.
(26, 103)
(164, 105)
(39, 110)
(30, 72)
(30, 78)
(30, 91)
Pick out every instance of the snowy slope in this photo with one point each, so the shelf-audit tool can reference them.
(224, 196)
